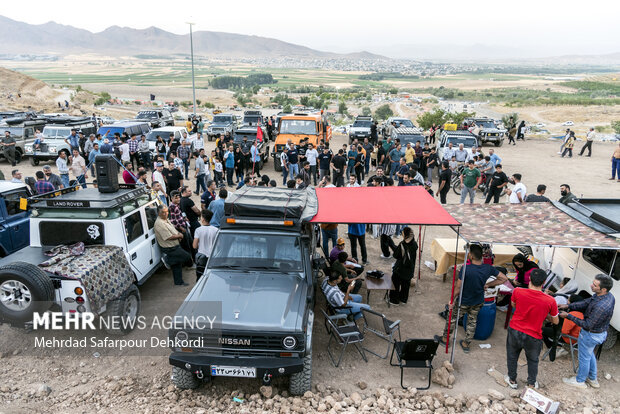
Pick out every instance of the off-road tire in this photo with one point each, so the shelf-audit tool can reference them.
(276, 164)
(117, 308)
(18, 156)
(612, 337)
(183, 379)
(37, 282)
(34, 161)
(209, 137)
(499, 143)
(300, 382)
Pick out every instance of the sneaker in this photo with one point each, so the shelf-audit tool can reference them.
(511, 384)
(164, 260)
(593, 383)
(573, 382)
(393, 303)
(534, 386)
(560, 352)
(385, 257)
(464, 346)
(365, 262)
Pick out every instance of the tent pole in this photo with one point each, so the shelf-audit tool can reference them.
(419, 258)
(458, 310)
(456, 250)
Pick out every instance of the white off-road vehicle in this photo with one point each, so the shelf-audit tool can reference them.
(88, 252)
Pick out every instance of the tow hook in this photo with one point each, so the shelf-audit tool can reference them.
(199, 374)
(267, 378)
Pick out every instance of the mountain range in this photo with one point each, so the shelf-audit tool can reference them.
(53, 38)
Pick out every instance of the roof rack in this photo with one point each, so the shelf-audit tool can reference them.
(76, 197)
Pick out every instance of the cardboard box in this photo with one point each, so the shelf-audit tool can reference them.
(539, 401)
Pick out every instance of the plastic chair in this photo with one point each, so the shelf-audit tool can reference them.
(415, 353)
(344, 335)
(381, 326)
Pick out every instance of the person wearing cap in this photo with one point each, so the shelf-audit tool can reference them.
(470, 179)
(339, 247)
(8, 148)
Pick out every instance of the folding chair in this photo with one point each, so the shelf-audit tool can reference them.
(415, 353)
(344, 335)
(381, 326)
(572, 343)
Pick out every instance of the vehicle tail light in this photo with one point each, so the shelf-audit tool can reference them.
(79, 300)
(286, 354)
(78, 291)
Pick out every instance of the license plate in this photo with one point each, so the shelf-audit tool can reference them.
(226, 371)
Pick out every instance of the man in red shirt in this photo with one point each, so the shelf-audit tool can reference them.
(532, 308)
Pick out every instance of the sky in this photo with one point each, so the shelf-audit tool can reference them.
(528, 28)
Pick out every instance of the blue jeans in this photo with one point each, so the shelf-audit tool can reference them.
(587, 361)
(393, 169)
(328, 235)
(200, 183)
(350, 170)
(468, 190)
(80, 179)
(355, 306)
(293, 170)
(285, 173)
(186, 167)
(64, 179)
(615, 168)
(367, 164)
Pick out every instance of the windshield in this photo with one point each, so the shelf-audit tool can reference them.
(252, 119)
(146, 115)
(361, 124)
(297, 126)
(404, 123)
(152, 136)
(19, 131)
(486, 124)
(56, 132)
(222, 119)
(466, 141)
(256, 251)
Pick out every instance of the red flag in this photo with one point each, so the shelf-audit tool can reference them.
(259, 134)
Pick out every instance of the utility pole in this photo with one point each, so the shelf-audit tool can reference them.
(191, 43)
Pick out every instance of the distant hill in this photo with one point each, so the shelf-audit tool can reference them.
(34, 93)
(23, 38)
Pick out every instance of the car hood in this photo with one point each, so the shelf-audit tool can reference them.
(250, 300)
(220, 124)
(360, 129)
(492, 130)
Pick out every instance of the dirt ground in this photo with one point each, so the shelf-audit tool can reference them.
(72, 376)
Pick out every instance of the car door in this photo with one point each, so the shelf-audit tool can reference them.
(150, 213)
(17, 223)
(136, 239)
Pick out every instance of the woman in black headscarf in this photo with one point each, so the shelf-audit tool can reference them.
(524, 267)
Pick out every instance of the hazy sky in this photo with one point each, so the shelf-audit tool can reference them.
(537, 27)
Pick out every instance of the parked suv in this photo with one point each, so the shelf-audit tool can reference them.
(360, 128)
(157, 118)
(263, 270)
(22, 132)
(251, 122)
(488, 131)
(221, 124)
(120, 253)
(14, 228)
(455, 138)
(54, 135)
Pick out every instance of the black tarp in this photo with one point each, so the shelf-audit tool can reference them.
(269, 202)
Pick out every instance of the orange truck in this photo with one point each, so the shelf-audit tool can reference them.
(296, 127)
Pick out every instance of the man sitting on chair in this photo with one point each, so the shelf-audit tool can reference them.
(338, 300)
(348, 275)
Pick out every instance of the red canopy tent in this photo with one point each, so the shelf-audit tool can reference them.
(381, 205)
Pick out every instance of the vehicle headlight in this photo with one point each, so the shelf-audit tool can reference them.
(28, 149)
(181, 336)
(289, 342)
(52, 149)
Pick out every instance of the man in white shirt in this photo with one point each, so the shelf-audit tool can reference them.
(78, 167)
(125, 155)
(588, 144)
(352, 182)
(204, 239)
(311, 156)
(518, 192)
(63, 168)
(158, 176)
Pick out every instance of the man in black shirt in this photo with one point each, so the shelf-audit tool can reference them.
(539, 197)
(189, 208)
(174, 178)
(208, 196)
(338, 164)
(445, 178)
(325, 158)
(381, 180)
(173, 143)
(499, 180)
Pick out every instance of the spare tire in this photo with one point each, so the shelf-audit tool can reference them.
(24, 290)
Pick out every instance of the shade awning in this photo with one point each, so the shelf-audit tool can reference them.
(381, 205)
(534, 224)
